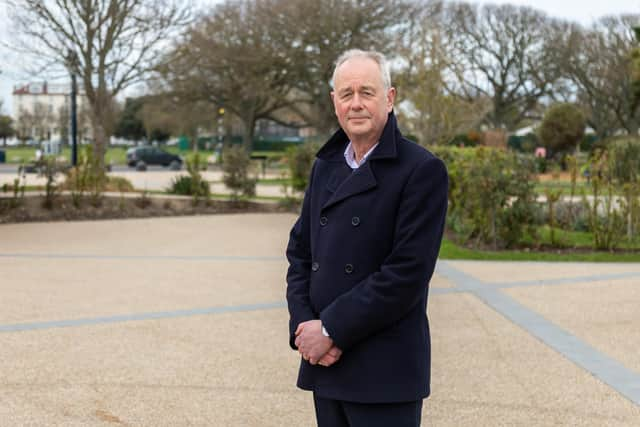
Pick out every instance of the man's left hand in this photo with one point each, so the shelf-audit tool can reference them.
(311, 342)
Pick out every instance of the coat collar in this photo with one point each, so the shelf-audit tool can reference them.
(333, 150)
(343, 182)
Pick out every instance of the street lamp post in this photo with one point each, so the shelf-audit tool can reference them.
(72, 64)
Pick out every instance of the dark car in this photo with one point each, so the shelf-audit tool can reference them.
(140, 157)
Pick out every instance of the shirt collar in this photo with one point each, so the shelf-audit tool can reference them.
(350, 156)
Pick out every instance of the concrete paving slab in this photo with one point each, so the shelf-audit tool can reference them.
(63, 289)
(488, 372)
(241, 235)
(605, 314)
(441, 282)
(232, 369)
(235, 368)
(504, 272)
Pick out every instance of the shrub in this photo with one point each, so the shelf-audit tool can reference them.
(300, 159)
(236, 167)
(184, 186)
(625, 155)
(491, 195)
(49, 168)
(605, 220)
(118, 183)
(562, 128)
(198, 187)
(86, 177)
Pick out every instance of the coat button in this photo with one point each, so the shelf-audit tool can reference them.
(348, 268)
(355, 221)
(315, 266)
(323, 220)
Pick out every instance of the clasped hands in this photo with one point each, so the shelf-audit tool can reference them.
(314, 346)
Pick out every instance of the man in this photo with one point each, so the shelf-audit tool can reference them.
(361, 255)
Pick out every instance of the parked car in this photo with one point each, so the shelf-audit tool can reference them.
(140, 157)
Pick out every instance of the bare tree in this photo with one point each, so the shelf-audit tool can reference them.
(598, 61)
(267, 59)
(34, 123)
(506, 54)
(234, 58)
(429, 111)
(325, 29)
(109, 44)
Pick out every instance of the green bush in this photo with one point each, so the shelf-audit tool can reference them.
(118, 183)
(605, 220)
(87, 177)
(236, 165)
(562, 128)
(300, 160)
(625, 154)
(491, 195)
(184, 186)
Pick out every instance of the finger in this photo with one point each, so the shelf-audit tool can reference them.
(333, 352)
(326, 361)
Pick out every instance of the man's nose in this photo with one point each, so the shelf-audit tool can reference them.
(356, 103)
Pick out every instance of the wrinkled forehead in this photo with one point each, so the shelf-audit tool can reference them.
(358, 71)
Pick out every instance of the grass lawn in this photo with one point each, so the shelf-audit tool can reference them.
(573, 246)
(450, 250)
(17, 155)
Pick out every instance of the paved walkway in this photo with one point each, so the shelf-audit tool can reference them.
(182, 321)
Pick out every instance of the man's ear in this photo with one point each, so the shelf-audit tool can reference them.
(391, 97)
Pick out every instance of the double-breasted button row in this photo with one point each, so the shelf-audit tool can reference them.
(355, 221)
(348, 268)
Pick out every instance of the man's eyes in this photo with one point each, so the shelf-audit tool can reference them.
(347, 95)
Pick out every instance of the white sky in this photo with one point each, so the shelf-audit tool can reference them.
(582, 11)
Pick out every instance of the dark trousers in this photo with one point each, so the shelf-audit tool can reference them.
(337, 413)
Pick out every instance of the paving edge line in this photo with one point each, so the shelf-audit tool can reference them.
(144, 257)
(34, 326)
(608, 370)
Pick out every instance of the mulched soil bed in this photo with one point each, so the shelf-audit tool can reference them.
(31, 208)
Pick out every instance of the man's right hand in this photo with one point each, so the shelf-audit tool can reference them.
(331, 357)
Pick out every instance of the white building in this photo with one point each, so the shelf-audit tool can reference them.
(42, 111)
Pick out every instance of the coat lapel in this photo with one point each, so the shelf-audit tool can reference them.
(355, 183)
(343, 182)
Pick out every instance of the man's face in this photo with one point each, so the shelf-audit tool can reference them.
(360, 100)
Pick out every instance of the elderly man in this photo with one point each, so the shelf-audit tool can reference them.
(361, 255)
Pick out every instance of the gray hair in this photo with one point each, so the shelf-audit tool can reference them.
(377, 57)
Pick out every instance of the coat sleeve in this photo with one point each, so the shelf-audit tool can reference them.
(299, 272)
(385, 296)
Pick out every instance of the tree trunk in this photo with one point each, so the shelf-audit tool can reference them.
(249, 123)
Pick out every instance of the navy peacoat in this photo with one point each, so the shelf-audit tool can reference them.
(361, 255)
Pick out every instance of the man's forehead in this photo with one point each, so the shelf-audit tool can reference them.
(364, 70)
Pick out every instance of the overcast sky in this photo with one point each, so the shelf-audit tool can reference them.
(582, 11)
